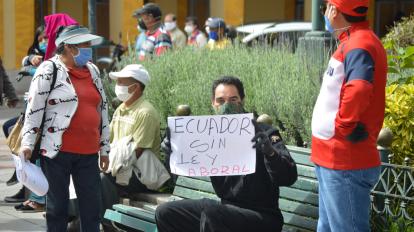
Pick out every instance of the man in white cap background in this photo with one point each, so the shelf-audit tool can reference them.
(178, 37)
(67, 106)
(134, 131)
(158, 39)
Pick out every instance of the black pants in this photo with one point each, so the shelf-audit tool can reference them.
(208, 215)
(85, 174)
(111, 191)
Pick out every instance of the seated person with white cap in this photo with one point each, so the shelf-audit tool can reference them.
(134, 131)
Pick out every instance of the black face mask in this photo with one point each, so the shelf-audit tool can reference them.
(141, 24)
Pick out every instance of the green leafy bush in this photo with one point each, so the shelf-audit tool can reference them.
(399, 45)
(390, 224)
(281, 84)
(399, 117)
(402, 33)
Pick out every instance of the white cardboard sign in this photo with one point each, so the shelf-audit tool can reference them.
(214, 145)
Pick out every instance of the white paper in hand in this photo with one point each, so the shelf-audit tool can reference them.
(31, 176)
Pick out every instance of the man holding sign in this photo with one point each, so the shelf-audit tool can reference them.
(249, 195)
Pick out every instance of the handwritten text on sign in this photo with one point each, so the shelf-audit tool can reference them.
(212, 145)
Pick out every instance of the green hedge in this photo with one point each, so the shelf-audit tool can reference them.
(281, 84)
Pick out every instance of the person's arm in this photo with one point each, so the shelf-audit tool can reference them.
(281, 167)
(357, 95)
(9, 91)
(279, 164)
(105, 135)
(144, 134)
(162, 44)
(8, 88)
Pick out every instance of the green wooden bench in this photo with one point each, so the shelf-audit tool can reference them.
(299, 202)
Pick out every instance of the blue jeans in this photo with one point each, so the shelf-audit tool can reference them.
(85, 174)
(344, 199)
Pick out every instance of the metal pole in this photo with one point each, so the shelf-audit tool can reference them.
(53, 6)
(317, 18)
(92, 21)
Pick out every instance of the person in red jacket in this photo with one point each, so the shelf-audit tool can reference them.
(347, 118)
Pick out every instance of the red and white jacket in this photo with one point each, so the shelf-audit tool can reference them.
(349, 111)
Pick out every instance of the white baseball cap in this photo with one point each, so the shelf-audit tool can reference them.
(136, 71)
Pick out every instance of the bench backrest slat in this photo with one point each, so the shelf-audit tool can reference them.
(300, 221)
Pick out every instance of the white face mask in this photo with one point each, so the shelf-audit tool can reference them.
(208, 30)
(189, 29)
(169, 26)
(122, 92)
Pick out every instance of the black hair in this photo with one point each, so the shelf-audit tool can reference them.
(228, 80)
(61, 30)
(34, 48)
(192, 19)
(356, 19)
(230, 32)
(142, 86)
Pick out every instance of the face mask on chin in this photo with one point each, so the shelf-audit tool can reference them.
(122, 92)
(229, 108)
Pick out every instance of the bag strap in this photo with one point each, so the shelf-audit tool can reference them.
(52, 86)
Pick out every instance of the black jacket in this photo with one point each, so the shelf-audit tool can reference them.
(6, 86)
(259, 191)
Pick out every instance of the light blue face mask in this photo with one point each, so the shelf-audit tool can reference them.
(328, 25)
(43, 47)
(85, 55)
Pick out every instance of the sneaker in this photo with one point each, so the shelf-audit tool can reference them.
(13, 180)
(16, 198)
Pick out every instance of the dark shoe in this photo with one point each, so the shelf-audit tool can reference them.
(74, 225)
(19, 206)
(13, 180)
(108, 228)
(32, 207)
(16, 198)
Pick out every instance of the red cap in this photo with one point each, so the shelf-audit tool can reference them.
(349, 6)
